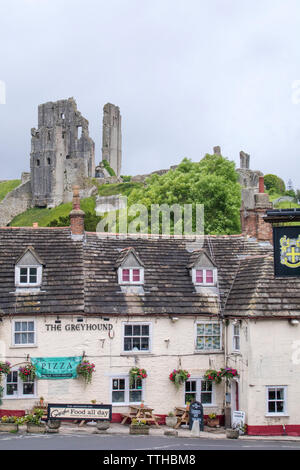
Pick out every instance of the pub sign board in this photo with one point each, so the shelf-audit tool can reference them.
(79, 411)
(196, 414)
(286, 251)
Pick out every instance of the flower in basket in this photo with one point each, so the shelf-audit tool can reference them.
(214, 375)
(229, 373)
(136, 373)
(28, 372)
(4, 368)
(86, 369)
(178, 377)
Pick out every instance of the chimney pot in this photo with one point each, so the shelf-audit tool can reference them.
(77, 216)
(261, 184)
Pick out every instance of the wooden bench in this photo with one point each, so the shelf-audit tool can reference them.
(126, 416)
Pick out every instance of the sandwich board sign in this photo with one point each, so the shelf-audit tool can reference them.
(238, 419)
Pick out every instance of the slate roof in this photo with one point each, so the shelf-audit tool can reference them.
(80, 277)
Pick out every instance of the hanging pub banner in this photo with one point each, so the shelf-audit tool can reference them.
(56, 367)
(286, 250)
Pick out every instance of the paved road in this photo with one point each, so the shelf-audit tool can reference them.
(116, 442)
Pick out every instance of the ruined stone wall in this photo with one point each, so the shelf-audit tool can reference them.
(112, 137)
(15, 202)
(62, 153)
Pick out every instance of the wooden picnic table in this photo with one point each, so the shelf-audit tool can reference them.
(182, 414)
(144, 413)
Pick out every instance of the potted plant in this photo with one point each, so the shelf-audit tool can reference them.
(85, 369)
(171, 420)
(178, 377)
(9, 424)
(213, 421)
(138, 427)
(34, 422)
(42, 401)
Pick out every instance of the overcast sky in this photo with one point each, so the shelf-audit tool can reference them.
(186, 74)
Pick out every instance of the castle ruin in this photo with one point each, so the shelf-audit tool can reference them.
(62, 153)
(112, 137)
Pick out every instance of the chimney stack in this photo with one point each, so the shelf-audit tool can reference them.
(77, 216)
(261, 184)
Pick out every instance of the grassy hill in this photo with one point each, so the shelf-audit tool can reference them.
(45, 216)
(7, 186)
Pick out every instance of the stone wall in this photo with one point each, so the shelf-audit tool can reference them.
(14, 203)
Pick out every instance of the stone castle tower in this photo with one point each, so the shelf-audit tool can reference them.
(62, 153)
(112, 137)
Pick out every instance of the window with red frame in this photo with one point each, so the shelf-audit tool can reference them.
(204, 276)
(131, 275)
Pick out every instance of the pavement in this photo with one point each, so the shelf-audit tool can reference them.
(183, 432)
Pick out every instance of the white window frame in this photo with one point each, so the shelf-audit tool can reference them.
(126, 390)
(137, 324)
(198, 381)
(205, 322)
(204, 283)
(23, 345)
(130, 282)
(281, 413)
(234, 336)
(20, 284)
(19, 394)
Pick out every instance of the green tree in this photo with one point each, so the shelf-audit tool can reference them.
(274, 184)
(213, 182)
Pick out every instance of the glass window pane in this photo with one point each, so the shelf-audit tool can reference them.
(30, 326)
(145, 330)
(208, 329)
(17, 326)
(136, 275)
(30, 337)
(199, 276)
(135, 396)
(28, 388)
(206, 397)
(216, 329)
(200, 329)
(272, 394)
(271, 407)
(127, 344)
(280, 406)
(209, 276)
(128, 330)
(125, 275)
(145, 344)
(136, 330)
(24, 326)
(118, 397)
(280, 394)
(17, 338)
(200, 342)
(136, 343)
(23, 338)
(11, 389)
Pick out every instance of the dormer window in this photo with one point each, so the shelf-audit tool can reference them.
(28, 270)
(205, 277)
(130, 268)
(131, 275)
(203, 270)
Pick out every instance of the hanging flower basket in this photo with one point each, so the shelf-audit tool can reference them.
(4, 368)
(85, 369)
(178, 377)
(214, 375)
(28, 372)
(136, 373)
(217, 376)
